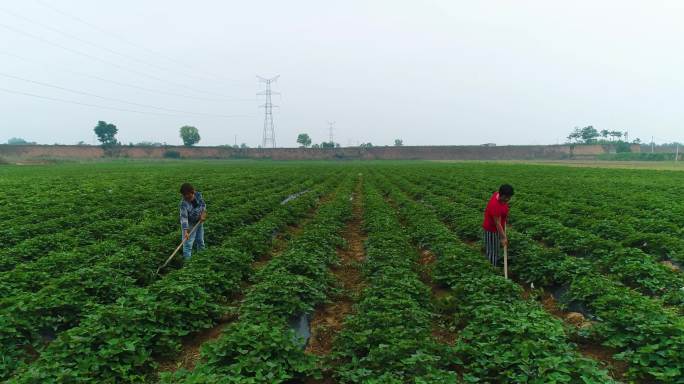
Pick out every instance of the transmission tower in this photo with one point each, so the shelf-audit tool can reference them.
(269, 131)
(331, 128)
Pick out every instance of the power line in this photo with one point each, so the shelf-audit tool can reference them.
(107, 98)
(124, 68)
(269, 131)
(122, 84)
(100, 106)
(122, 39)
(90, 43)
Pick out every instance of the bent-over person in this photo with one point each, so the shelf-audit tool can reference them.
(193, 211)
(494, 224)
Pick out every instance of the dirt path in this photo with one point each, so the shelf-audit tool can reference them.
(190, 350)
(442, 328)
(327, 321)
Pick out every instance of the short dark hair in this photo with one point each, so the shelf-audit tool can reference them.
(186, 188)
(506, 190)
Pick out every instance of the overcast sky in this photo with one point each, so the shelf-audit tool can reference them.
(428, 72)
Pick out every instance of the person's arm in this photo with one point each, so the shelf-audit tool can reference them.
(203, 207)
(185, 225)
(501, 230)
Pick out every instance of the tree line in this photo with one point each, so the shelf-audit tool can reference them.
(304, 141)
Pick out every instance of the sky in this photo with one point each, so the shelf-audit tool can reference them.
(428, 72)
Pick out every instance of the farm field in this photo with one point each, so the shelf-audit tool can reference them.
(340, 272)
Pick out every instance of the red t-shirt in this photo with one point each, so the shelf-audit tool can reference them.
(495, 208)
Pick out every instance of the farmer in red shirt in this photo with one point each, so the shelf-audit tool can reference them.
(494, 223)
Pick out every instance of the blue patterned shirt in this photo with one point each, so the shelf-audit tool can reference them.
(190, 211)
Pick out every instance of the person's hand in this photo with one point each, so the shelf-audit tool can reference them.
(187, 235)
(203, 216)
(504, 242)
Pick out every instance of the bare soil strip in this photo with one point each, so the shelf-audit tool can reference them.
(442, 330)
(603, 355)
(327, 320)
(190, 350)
(189, 355)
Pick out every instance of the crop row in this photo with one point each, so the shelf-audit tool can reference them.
(97, 195)
(605, 205)
(136, 240)
(261, 347)
(630, 266)
(142, 224)
(388, 339)
(121, 342)
(648, 336)
(632, 219)
(502, 337)
(33, 318)
(647, 198)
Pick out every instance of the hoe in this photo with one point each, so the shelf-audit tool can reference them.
(176, 251)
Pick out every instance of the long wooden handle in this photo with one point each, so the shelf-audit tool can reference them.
(506, 262)
(177, 248)
(505, 254)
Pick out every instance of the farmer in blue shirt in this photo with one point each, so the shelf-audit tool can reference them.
(193, 210)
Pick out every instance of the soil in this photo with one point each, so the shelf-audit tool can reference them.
(280, 242)
(190, 350)
(440, 327)
(191, 345)
(670, 265)
(603, 355)
(327, 320)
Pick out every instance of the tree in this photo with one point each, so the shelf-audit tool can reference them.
(304, 140)
(190, 135)
(366, 145)
(244, 146)
(19, 141)
(589, 134)
(315, 146)
(106, 133)
(398, 142)
(616, 134)
(637, 141)
(148, 144)
(605, 133)
(575, 135)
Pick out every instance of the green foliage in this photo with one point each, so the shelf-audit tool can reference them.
(304, 140)
(79, 302)
(586, 135)
(19, 141)
(170, 154)
(502, 337)
(106, 133)
(260, 348)
(190, 135)
(556, 245)
(85, 298)
(637, 156)
(329, 144)
(388, 339)
(263, 352)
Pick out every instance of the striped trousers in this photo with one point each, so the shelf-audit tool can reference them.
(492, 242)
